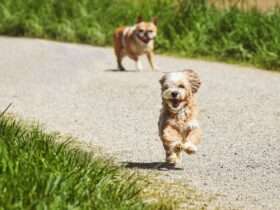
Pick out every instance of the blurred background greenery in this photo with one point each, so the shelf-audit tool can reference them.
(232, 30)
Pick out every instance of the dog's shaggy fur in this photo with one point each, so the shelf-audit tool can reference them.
(134, 41)
(178, 126)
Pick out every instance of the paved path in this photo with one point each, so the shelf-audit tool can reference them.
(72, 88)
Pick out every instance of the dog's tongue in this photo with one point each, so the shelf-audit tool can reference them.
(145, 39)
(175, 103)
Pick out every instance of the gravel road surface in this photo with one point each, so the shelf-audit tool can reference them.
(75, 89)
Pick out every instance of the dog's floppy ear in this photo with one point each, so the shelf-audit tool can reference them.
(155, 20)
(139, 19)
(194, 80)
(162, 79)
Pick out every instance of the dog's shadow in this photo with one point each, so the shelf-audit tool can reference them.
(161, 166)
(121, 71)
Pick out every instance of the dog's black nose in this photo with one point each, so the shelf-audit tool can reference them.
(174, 94)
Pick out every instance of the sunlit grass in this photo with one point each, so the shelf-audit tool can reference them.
(37, 172)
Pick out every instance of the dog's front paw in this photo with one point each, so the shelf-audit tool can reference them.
(193, 125)
(155, 68)
(189, 148)
(171, 159)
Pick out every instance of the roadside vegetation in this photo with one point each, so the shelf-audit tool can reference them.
(186, 28)
(40, 170)
(37, 172)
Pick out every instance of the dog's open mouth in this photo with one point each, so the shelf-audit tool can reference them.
(144, 39)
(175, 103)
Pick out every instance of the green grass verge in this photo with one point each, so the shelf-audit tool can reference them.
(186, 27)
(36, 172)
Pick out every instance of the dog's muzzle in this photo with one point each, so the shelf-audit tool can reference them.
(172, 98)
(144, 39)
(171, 94)
(174, 94)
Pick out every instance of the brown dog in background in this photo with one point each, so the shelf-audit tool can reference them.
(134, 41)
(178, 126)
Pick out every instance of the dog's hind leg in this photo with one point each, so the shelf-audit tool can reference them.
(120, 55)
(119, 49)
(119, 61)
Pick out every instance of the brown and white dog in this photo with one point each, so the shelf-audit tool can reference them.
(134, 41)
(178, 126)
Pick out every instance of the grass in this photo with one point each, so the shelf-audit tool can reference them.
(40, 170)
(36, 172)
(186, 28)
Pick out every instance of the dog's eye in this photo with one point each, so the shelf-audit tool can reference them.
(141, 30)
(149, 31)
(181, 86)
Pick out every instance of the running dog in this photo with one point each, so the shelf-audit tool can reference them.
(178, 126)
(134, 41)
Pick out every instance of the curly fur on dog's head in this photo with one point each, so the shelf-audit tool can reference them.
(178, 89)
